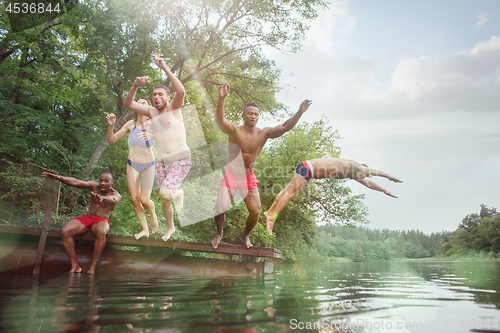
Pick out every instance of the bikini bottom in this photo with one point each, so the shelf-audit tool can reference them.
(140, 167)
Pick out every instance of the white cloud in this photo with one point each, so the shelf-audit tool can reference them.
(481, 20)
(352, 86)
(337, 19)
(435, 141)
(464, 81)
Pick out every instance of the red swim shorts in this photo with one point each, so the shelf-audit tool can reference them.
(234, 183)
(90, 220)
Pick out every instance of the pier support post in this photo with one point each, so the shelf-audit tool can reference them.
(41, 243)
(268, 267)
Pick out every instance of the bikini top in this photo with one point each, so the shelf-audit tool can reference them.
(137, 141)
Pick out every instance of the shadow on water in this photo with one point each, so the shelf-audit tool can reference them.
(345, 297)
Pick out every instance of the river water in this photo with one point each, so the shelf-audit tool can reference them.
(329, 297)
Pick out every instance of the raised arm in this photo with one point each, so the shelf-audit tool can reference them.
(374, 186)
(180, 92)
(224, 125)
(290, 123)
(114, 137)
(70, 181)
(130, 102)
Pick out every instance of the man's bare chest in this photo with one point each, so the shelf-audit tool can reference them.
(248, 142)
(166, 120)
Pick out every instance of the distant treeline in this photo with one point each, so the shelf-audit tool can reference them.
(476, 234)
(362, 244)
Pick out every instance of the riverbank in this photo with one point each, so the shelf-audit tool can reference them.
(472, 256)
(475, 256)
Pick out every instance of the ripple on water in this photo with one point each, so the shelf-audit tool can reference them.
(359, 293)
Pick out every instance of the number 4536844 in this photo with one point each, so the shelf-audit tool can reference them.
(32, 8)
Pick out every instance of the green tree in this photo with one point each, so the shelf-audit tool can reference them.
(204, 42)
(92, 54)
(476, 231)
(22, 187)
(493, 233)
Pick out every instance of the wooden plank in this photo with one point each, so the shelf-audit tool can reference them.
(43, 238)
(255, 251)
(197, 246)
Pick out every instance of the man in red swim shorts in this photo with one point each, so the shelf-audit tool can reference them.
(90, 220)
(244, 183)
(103, 201)
(245, 144)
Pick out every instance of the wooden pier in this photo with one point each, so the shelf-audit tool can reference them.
(39, 250)
(255, 251)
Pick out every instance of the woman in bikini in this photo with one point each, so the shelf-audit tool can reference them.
(338, 168)
(140, 166)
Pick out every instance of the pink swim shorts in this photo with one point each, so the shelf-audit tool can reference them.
(171, 175)
(234, 183)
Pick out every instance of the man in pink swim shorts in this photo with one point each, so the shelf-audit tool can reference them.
(174, 157)
(170, 175)
(245, 144)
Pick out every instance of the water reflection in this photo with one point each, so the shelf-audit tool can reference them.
(353, 297)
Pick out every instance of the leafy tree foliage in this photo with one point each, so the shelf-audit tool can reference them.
(362, 244)
(475, 232)
(60, 78)
(22, 185)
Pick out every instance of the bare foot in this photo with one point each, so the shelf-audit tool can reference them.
(269, 222)
(154, 223)
(179, 201)
(216, 241)
(168, 234)
(270, 311)
(91, 270)
(141, 234)
(246, 241)
(77, 269)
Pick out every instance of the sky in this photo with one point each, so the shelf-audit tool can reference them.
(413, 87)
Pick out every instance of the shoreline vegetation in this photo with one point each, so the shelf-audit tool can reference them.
(473, 256)
(477, 238)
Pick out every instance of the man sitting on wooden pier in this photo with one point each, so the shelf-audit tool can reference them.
(103, 201)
